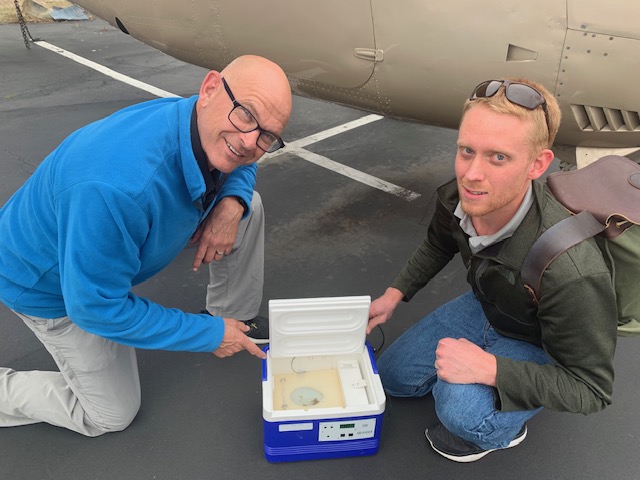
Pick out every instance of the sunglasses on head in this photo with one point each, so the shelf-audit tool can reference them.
(517, 93)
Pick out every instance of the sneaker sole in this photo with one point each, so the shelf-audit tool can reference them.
(477, 456)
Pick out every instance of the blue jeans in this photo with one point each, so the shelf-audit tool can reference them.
(466, 410)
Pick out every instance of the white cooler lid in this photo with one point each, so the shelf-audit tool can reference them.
(318, 326)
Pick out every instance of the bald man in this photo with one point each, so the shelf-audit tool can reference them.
(234, 248)
(112, 206)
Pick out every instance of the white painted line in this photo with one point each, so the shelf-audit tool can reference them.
(303, 142)
(354, 174)
(294, 147)
(107, 71)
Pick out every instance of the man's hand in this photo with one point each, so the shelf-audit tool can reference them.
(460, 361)
(235, 340)
(382, 308)
(216, 236)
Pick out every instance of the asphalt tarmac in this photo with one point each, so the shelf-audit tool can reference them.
(327, 235)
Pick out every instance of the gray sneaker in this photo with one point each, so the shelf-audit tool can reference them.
(460, 450)
(259, 333)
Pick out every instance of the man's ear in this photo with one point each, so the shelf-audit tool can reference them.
(541, 163)
(211, 83)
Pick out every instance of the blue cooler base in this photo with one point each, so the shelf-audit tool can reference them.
(326, 438)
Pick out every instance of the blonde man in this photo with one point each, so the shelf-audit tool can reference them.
(492, 358)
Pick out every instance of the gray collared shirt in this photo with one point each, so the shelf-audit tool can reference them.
(477, 242)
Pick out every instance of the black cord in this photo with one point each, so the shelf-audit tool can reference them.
(378, 348)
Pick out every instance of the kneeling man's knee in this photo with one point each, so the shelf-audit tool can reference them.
(115, 417)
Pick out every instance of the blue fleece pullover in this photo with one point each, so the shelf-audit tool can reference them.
(106, 210)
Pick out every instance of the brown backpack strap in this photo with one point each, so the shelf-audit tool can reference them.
(560, 237)
(609, 188)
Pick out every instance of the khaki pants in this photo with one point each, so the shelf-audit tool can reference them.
(97, 389)
(236, 282)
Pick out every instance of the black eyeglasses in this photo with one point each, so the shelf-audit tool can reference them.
(518, 93)
(244, 121)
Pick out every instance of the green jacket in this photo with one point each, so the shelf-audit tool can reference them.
(575, 320)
